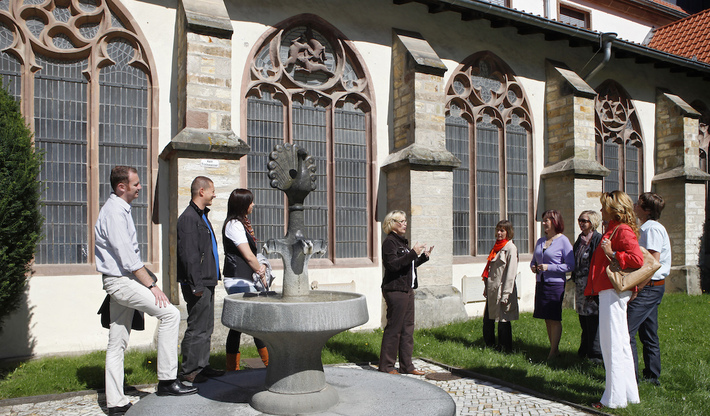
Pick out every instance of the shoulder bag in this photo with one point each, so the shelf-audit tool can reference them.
(626, 279)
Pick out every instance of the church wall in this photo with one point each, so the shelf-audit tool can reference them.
(62, 309)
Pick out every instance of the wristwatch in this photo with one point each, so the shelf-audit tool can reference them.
(152, 285)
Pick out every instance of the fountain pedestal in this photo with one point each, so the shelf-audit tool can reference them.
(295, 329)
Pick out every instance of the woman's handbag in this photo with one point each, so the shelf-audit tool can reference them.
(625, 279)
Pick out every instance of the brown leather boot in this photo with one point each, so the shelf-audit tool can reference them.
(233, 361)
(264, 354)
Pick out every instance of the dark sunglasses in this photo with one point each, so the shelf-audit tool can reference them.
(582, 221)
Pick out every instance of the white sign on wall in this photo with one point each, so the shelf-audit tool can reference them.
(210, 163)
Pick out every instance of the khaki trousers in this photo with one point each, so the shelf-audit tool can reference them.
(128, 294)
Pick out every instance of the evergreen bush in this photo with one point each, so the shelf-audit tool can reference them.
(20, 218)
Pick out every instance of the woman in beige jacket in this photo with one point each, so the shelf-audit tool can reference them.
(500, 290)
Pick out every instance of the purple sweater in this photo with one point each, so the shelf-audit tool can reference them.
(559, 258)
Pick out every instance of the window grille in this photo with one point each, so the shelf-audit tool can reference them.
(309, 132)
(60, 131)
(574, 17)
(503, 3)
(487, 184)
(10, 72)
(9, 65)
(265, 130)
(517, 184)
(632, 172)
(123, 130)
(611, 162)
(350, 155)
(457, 141)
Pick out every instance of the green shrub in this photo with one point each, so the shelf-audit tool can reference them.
(20, 219)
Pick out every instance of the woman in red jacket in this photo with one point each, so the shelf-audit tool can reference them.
(620, 241)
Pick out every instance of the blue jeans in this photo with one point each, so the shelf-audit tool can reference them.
(234, 337)
(643, 318)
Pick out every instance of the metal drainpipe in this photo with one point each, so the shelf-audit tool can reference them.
(605, 39)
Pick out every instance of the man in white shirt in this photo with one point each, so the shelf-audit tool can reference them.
(643, 308)
(131, 287)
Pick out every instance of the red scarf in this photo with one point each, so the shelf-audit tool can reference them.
(250, 230)
(496, 248)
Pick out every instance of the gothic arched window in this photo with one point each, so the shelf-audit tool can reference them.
(619, 139)
(703, 133)
(306, 85)
(489, 128)
(84, 79)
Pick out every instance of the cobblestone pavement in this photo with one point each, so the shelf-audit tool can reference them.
(472, 397)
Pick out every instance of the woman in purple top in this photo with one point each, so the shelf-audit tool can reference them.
(552, 259)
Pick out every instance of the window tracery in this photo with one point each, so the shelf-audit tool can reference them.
(306, 85)
(619, 139)
(489, 128)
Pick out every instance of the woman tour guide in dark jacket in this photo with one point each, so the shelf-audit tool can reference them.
(398, 284)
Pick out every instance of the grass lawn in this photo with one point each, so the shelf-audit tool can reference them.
(685, 348)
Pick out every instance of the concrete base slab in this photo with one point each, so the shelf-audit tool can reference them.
(360, 392)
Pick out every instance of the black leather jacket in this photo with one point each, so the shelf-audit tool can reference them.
(397, 260)
(195, 260)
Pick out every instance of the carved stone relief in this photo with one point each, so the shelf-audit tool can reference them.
(304, 58)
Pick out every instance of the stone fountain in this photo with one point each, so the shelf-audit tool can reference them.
(295, 325)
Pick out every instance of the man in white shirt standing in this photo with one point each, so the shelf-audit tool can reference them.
(643, 307)
(131, 287)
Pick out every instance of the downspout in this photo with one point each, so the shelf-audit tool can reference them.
(605, 41)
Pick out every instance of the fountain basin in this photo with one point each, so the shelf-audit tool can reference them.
(319, 311)
(295, 329)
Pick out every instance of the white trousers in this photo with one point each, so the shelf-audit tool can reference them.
(128, 294)
(621, 387)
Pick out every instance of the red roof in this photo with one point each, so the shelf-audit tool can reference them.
(689, 37)
(665, 3)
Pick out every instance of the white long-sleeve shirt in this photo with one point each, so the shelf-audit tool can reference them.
(116, 248)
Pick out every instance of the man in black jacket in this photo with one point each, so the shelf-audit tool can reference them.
(198, 273)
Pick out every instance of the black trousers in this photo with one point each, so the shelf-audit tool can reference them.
(505, 332)
(589, 344)
(398, 336)
(200, 325)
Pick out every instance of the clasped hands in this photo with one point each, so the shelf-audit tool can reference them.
(536, 268)
(420, 248)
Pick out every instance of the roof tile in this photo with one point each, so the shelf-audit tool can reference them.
(686, 37)
(670, 5)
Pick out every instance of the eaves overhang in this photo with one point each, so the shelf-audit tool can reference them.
(552, 30)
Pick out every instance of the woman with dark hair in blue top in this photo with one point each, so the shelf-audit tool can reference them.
(552, 259)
